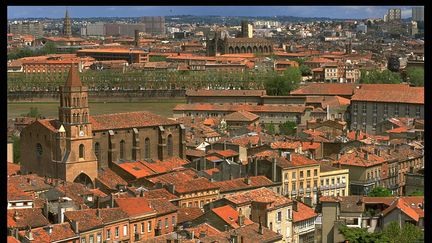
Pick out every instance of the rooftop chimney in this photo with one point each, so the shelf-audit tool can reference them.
(98, 213)
(248, 180)
(49, 229)
(260, 228)
(75, 226)
(294, 205)
(241, 219)
(288, 156)
(338, 156)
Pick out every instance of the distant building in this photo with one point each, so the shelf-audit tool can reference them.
(418, 13)
(361, 28)
(217, 45)
(154, 24)
(114, 29)
(95, 29)
(26, 28)
(246, 29)
(67, 25)
(394, 14)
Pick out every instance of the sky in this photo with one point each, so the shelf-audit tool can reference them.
(345, 12)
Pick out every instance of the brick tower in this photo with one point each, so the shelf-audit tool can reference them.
(67, 25)
(76, 137)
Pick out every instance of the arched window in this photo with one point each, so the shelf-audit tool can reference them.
(97, 150)
(81, 151)
(170, 145)
(122, 149)
(147, 148)
(39, 150)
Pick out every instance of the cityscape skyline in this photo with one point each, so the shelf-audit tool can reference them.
(344, 12)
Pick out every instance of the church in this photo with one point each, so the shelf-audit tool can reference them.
(76, 145)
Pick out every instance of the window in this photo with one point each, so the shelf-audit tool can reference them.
(159, 224)
(308, 184)
(301, 174)
(338, 180)
(289, 214)
(315, 183)
(308, 173)
(122, 149)
(142, 228)
(396, 111)
(407, 110)
(279, 216)
(301, 185)
(327, 182)
(322, 182)
(166, 223)
(385, 109)
(81, 151)
(149, 226)
(375, 108)
(125, 230)
(286, 176)
(147, 148)
(97, 150)
(108, 234)
(117, 233)
(293, 186)
(364, 108)
(91, 239)
(418, 109)
(293, 175)
(355, 108)
(333, 181)
(83, 240)
(99, 238)
(173, 220)
(39, 150)
(316, 172)
(170, 145)
(201, 203)
(135, 228)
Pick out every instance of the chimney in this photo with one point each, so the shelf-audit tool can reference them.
(49, 229)
(29, 234)
(241, 219)
(98, 213)
(75, 226)
(288, 156)
(137, 38)
(112, 200)
(274, 169)
(247, 180)
(338, 156)
(260, 228)
(294, 207)
(224, 145)
(366, 155)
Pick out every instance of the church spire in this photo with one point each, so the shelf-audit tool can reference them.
(73, 79)
(67, 25)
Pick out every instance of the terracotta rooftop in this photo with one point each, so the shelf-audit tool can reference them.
(224, 153)
(11, 239)
(239, 107)
(73, 79)
(128, 120)
(174, 177)
(59, 232)
(211, 171)
(86, 218)
(259, 195)
(13, 169)
(230, 216)
(135, 206)
(243, 183)
(249, 233)
(22, 218)
(357, 158)
(188, 214)
(195, 185)
(413, 211)
(159, 193)
(409, 95)
(195, 153)
(109, 178)
(303, 213)
(204, 227)
(241, 116)
(162, 206)
(228, 93)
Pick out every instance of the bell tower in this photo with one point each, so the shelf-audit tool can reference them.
(67, 25)
(79, 160)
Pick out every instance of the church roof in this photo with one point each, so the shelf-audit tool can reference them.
(129, 120)
(51, 124)
(73, 79)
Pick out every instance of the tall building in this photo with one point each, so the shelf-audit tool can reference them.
(246, 29)
(26, 28)
(418, 13)
(154, 24)
(394, 14)
(67, 25)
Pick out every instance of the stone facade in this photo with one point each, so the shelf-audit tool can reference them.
(226, 45)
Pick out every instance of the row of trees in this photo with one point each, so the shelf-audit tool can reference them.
(393, 233)
(48, 48)
(412, 75)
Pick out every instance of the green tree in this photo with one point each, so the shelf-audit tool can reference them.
(377, 77)
(417, 193)
(360, 235)
(270, 128)
(408, 233)
(380, 192)
(282, 84)
(415, 76)
(288, 128)
(305, 70)
(16, 148)
(157, 59)
(34, 112)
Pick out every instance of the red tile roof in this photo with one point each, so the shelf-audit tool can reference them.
(357, 158)
(245, 140)
(211, 171)
(110, 179)
(230, 216)
(22, 218)
(259, 195)
(238, 107)
(204, 227)
(195, 153)
(241, 116)
(409, 95)
(402, 205)
(59, 232)
(135, 206)
(159, 193)
(175, 177)
(73, 79)
(188, 214)
(86, 218)
(325, 89)
(224, 153)
(13, 169)
(195, 185)
(11, 239)
(303, 213)
(228, 93)
(242, 183)
(129, 120)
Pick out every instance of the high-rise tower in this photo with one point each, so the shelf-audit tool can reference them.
(67, 25)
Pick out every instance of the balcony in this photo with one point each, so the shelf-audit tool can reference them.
(308, 190)
(293, 192)
(315, 189)
(301, 191)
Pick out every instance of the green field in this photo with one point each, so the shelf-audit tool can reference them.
(50, 109)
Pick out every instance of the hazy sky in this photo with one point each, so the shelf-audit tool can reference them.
(137, 11)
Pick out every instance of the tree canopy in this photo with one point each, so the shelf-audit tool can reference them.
(380, 192)
(415, 76)
(377, 77)
(305, 70)
(288, 128)
(282, 84)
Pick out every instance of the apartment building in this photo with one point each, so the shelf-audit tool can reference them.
(369, 107)
(333, 181)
